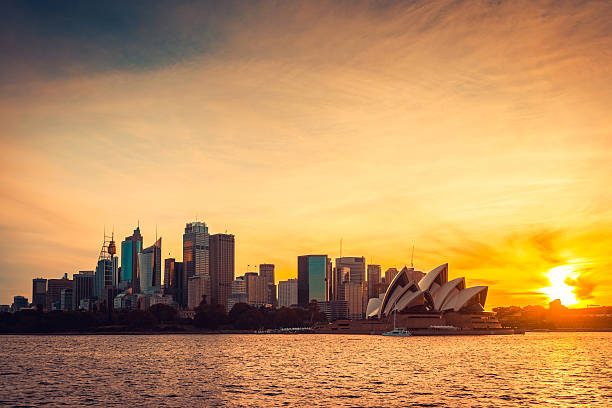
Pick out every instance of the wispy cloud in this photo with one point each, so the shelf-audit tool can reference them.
(478, 130)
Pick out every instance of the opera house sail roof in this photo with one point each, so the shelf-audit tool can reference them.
(434, 292)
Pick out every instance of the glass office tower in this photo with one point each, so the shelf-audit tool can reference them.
(312, 274)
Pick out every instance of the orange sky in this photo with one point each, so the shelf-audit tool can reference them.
(480, 132)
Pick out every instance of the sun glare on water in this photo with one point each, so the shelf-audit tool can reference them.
(558, 289)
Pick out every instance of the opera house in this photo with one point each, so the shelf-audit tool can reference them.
(429, 306)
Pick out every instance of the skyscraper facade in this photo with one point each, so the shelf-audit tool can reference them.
(198, 289)
(390, 274)
(130, 248)
(39, 292)
(267, 271)
(257, 289)
(239, 293)
(82, 287)
(175, 283)
(196, 249)
(54, 291)
(354, 298)
(222, 249)
(313, 271)
(168, 272)
(288, 293)
(105, 275)
(374, 272)
(66, 299)
(357, 274)
(356, 265)
(149, 261)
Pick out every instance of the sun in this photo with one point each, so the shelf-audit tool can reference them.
(558, 289)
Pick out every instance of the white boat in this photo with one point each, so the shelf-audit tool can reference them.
(397, 332)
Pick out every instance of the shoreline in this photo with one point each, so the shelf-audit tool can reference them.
(157, 333)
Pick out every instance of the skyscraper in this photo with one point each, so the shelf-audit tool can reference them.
(288, 293)
(239, 293)
(82, 287)
(174, 281)
(196, 249)
(198, 290)
(257, 289)
(313, 271)
(130, 248)
(66, 299)
(149, 261)
(222, 249)
(54, 291)
(168, 272)
(357, 274)
(373, 280)
(106, 276)
(267, 271)
(356, 265)
(196, 254)
(39, 292)
(390, 274)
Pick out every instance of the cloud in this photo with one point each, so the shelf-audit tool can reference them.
(478, 131)
(583, 287)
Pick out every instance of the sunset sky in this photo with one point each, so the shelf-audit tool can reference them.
(479, 131)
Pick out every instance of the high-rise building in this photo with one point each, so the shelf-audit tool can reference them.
(82, 287)
(357, 274)
(66, 299)
(198, 289)
(107, 268)
(239, 293)
(267, 271)
(257, 289)
(288, 293)
(130, 248)
(196, 249)
(105, 275)
(374, 272)
(54, 291)
(168, 272)
(339, 276)
(313, 270)
(356, 265)
(149, 263)
(353, 294)
(390, 274)
(221, 267)
(175, 283)
(39, 292)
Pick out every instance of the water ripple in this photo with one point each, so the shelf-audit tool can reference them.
(549, 369)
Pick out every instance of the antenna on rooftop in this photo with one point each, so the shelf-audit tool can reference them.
(340, 247)
(412, 258)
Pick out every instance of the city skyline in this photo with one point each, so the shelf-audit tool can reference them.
(479, 134)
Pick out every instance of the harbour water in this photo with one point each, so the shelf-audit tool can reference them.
(544, 369)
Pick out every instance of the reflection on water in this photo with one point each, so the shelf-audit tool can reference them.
(555, 369)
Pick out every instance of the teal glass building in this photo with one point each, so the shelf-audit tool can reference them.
(312, 274)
